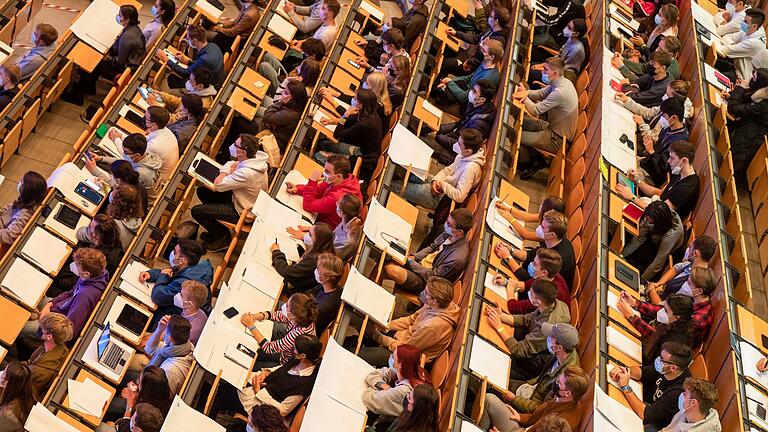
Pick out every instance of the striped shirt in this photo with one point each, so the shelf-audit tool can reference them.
(701, 318)
(284, 346)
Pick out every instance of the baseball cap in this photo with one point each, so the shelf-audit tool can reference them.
(565, 334)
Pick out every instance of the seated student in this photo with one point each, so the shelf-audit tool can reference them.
(518, 217)
(567, 391)
(661, 234)
(529, 353)
(681, 192)
(16, 398)
(44, 40)
(375, 82)
(282, 117)
(300, 315)
(287, 386)
(266, 418)
(729, 20)
(306, 18)
(185, 265)
(666, 20)
(420, 411)
(456, 90)
(467, 60)
(430, 329)
(554, 226)
(546, 265)
(412, 24)
(192, 296)
(126, 210)
(199, 84)
(648, 119)
(160, 140)
(739, 48)
(697, 406)
(207, 55)
(387, 388)
(163, 12)
(327, 293)
(311, 48)
(307, 72)
(190, 114)
(48, 358)
(398, 75)
(171, 349)
(127, 51)
(574, 53)
(456, 181)
(654, 167)
(321, 197)
(145, 418)
(347, 234)
(300, 276)
(748, 102)
(246, 20)
(648, 89)
(234, 190)
(391, 45)
(145, 164)
(150, 388)
(480, 116)
(559, 101)
(78, 303)
(674, 280)
(554, 24)
(9, 83)
(450, 261)
(15, 215)
(631, 65)
(662, 384)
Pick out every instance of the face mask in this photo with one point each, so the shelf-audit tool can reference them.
(391, 361)
(650, 225)
(317, 276)
(34, 38)
(657, 20)
(190, 88)
(167, 338)
(284, 308)
(18, 185)
(457, 148)
(117, 18)
(366, 86)
(172, 258)
(531, 270)
(545, 77)
(540, 232)
(688, 255)
(663, 122)
(550, 348)
(233, 150)
(676, 169)
(307, 239)
(665, 97)
(490, 22)
(249, 428)
(179, 302)
(326, 177)
(731, 8)
(471, 97)
(447, 228)
(686, 289)
(681, 399)
(354, 102)
(662, 317)
(535, 302)
(153, 11)
(658, 365)
(567, 32)
(73, 267)
(744, 27)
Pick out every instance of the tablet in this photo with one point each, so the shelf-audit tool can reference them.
(132, 320)
(206, 170)
(68, 216)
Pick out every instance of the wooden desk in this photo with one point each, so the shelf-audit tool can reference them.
(306, 166)
(244, 103)
(344, 82)
(254, 83)
(462, 7)
(618, 317)
(612, 259)
(14, 318)
(264, 44)
(352, 43)
(708, 6)
(323, 129)
(402, 208)
(513, 196)
(615, 207)
(441, 33)
(72, 421)
(432, 121)
(82, 374)
(85, 56)
(133, 3)
(751, 327)
(346, 59)
(128, 127)
(496, 261)
(484, 329)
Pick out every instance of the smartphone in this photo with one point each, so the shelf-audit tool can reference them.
(89, 193)
(231, 313)
(357, 66)
(144, 92)
(87, 155)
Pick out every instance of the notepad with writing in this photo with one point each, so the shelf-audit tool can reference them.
(46, 250)
(141, 291)
(501, 227)
(500, 290)
(368, 297)
(26, 282)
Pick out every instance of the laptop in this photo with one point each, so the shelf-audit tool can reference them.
(627, 275)
(109, 354)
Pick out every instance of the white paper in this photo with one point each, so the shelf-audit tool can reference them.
(219, 334)
(244, 298)
(141, 291)
(87, 396)
(383, 226)
(501, 227)
(469, 427)
(274, 214)
(42, 420)
(613, 300)
(749, 358)
(488, 361)
(622, 343)
(264, 279)
(435, 111)
(368, 297)
(25, 282)
(109, 147)
(709, 74)
(183, 418)
(756, 398)
(46, 250)
(319, 116)
(701, 16)
(372, 10)
(66, 178)
(407, 149)
(637, 387)
(500, 290)
(282, 27)
(295, 201)
(619, 415)
(208, 9)
(103, 35)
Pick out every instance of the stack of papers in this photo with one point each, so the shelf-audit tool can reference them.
(220, 335)
(87, 397)
(42, 420)
(183, 418)
(101, 36)
(488, 361)
(624, 344)
(294, 201)
(408, 150)
(46, 250)
(282, 27)
(208, 9)
(141, 291)
(611, 415)
(368, 297)
(26, 282)
(501, 227)
(383, 226)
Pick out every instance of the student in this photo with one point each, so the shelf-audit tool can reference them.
(729, 20)
(145, 418)
(546, 265)
(430, 329)
(125, 208)
(16, 399)
(654, 167)
(567, 391)
(631, 65)
(308, 72)
(420, 413)
(122, 173)
(286, 387)
(300, 276)
(382, 53)
(266, 418)
(554, 24)
(327, 293)
(456, 90)
(171, 349)
(321, 197)
(449, 263)
(648, 89)
(412, 23)
(574, 53)
(192, 296)
(697, 407)
(199, 84)
(282, 117)
(398, 73)
(160, 140)
(14, 216)
(554, 226)
(698, 254)
(666, 25)
(742, 46)
(270, 68)
(185, 265)
(518, 217)
(300, 314)
(44, 40)
(163, 12)
(347, 234)
(530, 354)
(233, 191)
(466, 60)
(672, 321)
(456, 181)
(151, 388)
(46, 361)
(224, 35)
(681, 193)
(662, 384)
(9, 84)
(387, 388)
(207, 55)
(145, 164)
(306, 18)
(186, 120)
(648, 119)
(661, 234)
(377, 82)
(748, 102)
(559, 101)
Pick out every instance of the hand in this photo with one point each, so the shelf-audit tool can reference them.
(624, 308)
(163, 323)
(648, 144)
(316, 175)
(538, 67)
(114, 134)
(384, 386)
(624, 82)
(296, 233)
(274, 247)
(352, 110)
(617, 60)
(437, 189)
(296, 44)
(513, 414)
(624, 191)
(288, 7)
(143, 276)
(477, 4)
(362, 61)
(451, 31)
(258, 379)
(742, 83)
(726, 15)
(725, 94)
(637, 40)
(520, 92)
(329, 121)
(220, 177)
(152, 99)
(290, 188)
(508, 396)
(629, 300)
(632, 174)
(499, 279)
(638, 119)
(502, 251)
(182, 58)
(161, 55)
(46, 309)
(467, 66)
(167, 271)
(622, 377)
(361, 42)
(762, 365)
(621, 97)
(493, 315)
(247, 319)
(90, 164)
(652, 286)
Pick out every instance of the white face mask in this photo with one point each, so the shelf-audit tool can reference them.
(190, 88)
(662, 317)
(317, 276)
(307, 239)
(73, 267)
(457, 149)
(471, 97)
(676, 169)
(284, 308)
(567, 32)
(179, 302)
(685, 289)
(657, 20)
(688, 255)
(34, 38)
(172, 258)
(117, 18)
(663, 122)
(233, 151)
(540, 232)
(731, 8)
(665, 97)
(249, 428)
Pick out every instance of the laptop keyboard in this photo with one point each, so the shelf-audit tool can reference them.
(113, 356)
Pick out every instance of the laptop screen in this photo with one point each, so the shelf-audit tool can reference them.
(627, 275)
(103, 342)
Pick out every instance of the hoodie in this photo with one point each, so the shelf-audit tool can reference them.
(168, 286)
(45, 366)
(249, 178)
(711, 423)
(79, 302)
(428, 329)
(479, 117)
(321, 198)
(459, 178)
(127, 227)
(148, 169)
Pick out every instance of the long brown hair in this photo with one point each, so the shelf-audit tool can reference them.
(126, 203)
(32, 191)
(423, 416)
(17, 393)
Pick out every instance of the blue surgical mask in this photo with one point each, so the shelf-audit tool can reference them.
(567, 32)
(550, 348)
(307, 239)
(545, 77)
(153, 11)
(34, 38)
(365, 85)
(167, 338)
(172, 258)
(447, 228)
(662, 316)
(531, 270)
(658, 365)
(744, 27)
(657, 20)
(391, 361)
(117, 18)
(681, 398)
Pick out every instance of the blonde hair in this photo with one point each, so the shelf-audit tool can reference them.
(58, 325)
(331, 265)
(198, 292)
(378, 83)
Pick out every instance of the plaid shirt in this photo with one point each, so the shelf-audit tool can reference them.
(702, 320)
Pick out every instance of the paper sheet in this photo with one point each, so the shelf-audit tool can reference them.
(407, 149)
(294, 201)
(435, 111)
(142, 291)
(619, 341)
(109, 147)
(101, 36)
(219, 334)
(208, 9)
(42, 420)
(756, 401)
(469, 427)
(25, 282)
(488, 361)
(749, 358)
(274, 214)
(244, 298)
(87, 396)
(637, 387)
(501, 226)
(383, 226)
(282, 27)
(46, 250)
(264, 279)
(501, 290)
(709, 74)
(619, 415)
(183, 418)
(372, 10)
(367, 296)
(69, 233)
(319, 116)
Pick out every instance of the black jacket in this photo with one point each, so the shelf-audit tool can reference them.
(480, 118)
(365, 134)
(412, 24)
(129, 49)
(299, 275)
(6, 96)
(748, 132)
(281, 120)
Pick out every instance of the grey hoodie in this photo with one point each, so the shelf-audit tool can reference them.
(459, 178)
(148, 169)
(679, 423)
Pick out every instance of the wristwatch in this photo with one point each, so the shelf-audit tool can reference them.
(626, 389)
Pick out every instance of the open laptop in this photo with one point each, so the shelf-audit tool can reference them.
(109, 354)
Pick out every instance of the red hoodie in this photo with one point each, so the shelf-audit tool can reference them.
(524, 305)
(321, 198)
